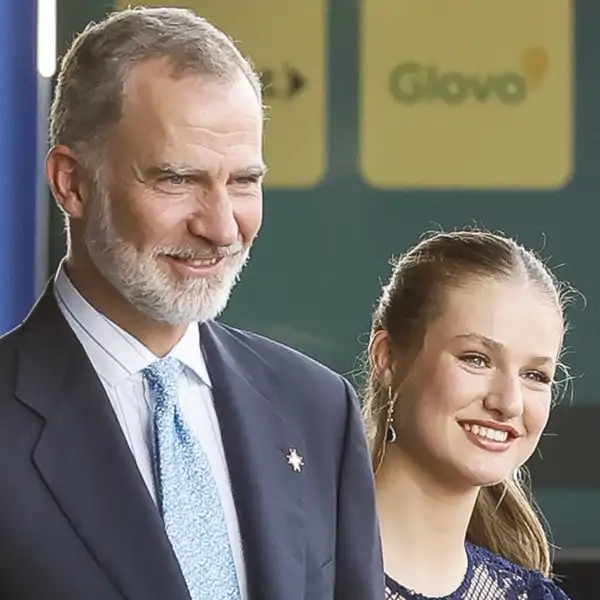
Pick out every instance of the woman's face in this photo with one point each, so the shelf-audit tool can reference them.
(478, 395)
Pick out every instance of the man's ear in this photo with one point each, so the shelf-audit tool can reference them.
(67, 180)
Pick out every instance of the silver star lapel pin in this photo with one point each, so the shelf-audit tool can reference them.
(295, 460)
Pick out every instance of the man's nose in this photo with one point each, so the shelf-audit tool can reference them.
(215, 219)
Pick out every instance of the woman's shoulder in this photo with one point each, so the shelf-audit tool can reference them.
(514, 577)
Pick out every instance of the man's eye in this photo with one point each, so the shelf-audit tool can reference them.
(173, 183)
(246, 180)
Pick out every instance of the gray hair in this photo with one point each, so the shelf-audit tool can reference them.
(90, 85)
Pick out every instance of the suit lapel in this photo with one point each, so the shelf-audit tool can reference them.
(86, 463)
(268, 493)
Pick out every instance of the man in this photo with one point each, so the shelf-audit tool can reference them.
(148, 452)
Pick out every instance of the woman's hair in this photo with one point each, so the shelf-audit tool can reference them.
(504, 519)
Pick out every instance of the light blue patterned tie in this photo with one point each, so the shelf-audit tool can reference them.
(187, 493)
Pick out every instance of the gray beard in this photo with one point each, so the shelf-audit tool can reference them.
(147, 284)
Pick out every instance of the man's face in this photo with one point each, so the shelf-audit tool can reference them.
(179, 200)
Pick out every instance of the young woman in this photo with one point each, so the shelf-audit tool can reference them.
(464, 348)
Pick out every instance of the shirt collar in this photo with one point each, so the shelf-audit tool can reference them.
(116, 354)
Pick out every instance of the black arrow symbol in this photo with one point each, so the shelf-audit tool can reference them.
(297, 82)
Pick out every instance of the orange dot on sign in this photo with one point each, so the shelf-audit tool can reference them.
(535, 63)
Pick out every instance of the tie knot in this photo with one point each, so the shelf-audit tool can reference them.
(162, 375)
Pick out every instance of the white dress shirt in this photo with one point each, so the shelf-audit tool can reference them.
(119, 359)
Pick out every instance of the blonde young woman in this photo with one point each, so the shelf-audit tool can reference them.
(464, 348)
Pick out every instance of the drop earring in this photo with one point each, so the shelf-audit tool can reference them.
(390, 431)
(390, 435)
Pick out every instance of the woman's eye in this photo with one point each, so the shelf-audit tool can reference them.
(476, 360)
(537, 376)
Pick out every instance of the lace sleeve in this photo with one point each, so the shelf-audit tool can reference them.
(550, 591)
(521, 583)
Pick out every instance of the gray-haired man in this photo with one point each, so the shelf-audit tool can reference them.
(148, 452)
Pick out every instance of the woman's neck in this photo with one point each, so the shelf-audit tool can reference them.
(423, 526)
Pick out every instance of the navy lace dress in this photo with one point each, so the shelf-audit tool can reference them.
(489, 577)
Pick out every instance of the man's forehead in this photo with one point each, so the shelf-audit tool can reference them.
(153, 79)
(192, 101)
(158, 77)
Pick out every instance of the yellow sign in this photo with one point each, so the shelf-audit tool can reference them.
(467, 94)
(286, 42)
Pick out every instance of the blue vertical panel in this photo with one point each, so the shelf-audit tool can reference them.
(18, 110)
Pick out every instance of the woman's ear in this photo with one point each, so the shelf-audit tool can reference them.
(379, 356)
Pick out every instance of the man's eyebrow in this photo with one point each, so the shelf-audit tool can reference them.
(252, 170)
(164, 168)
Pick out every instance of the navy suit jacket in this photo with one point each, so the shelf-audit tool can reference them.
(77, 522)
